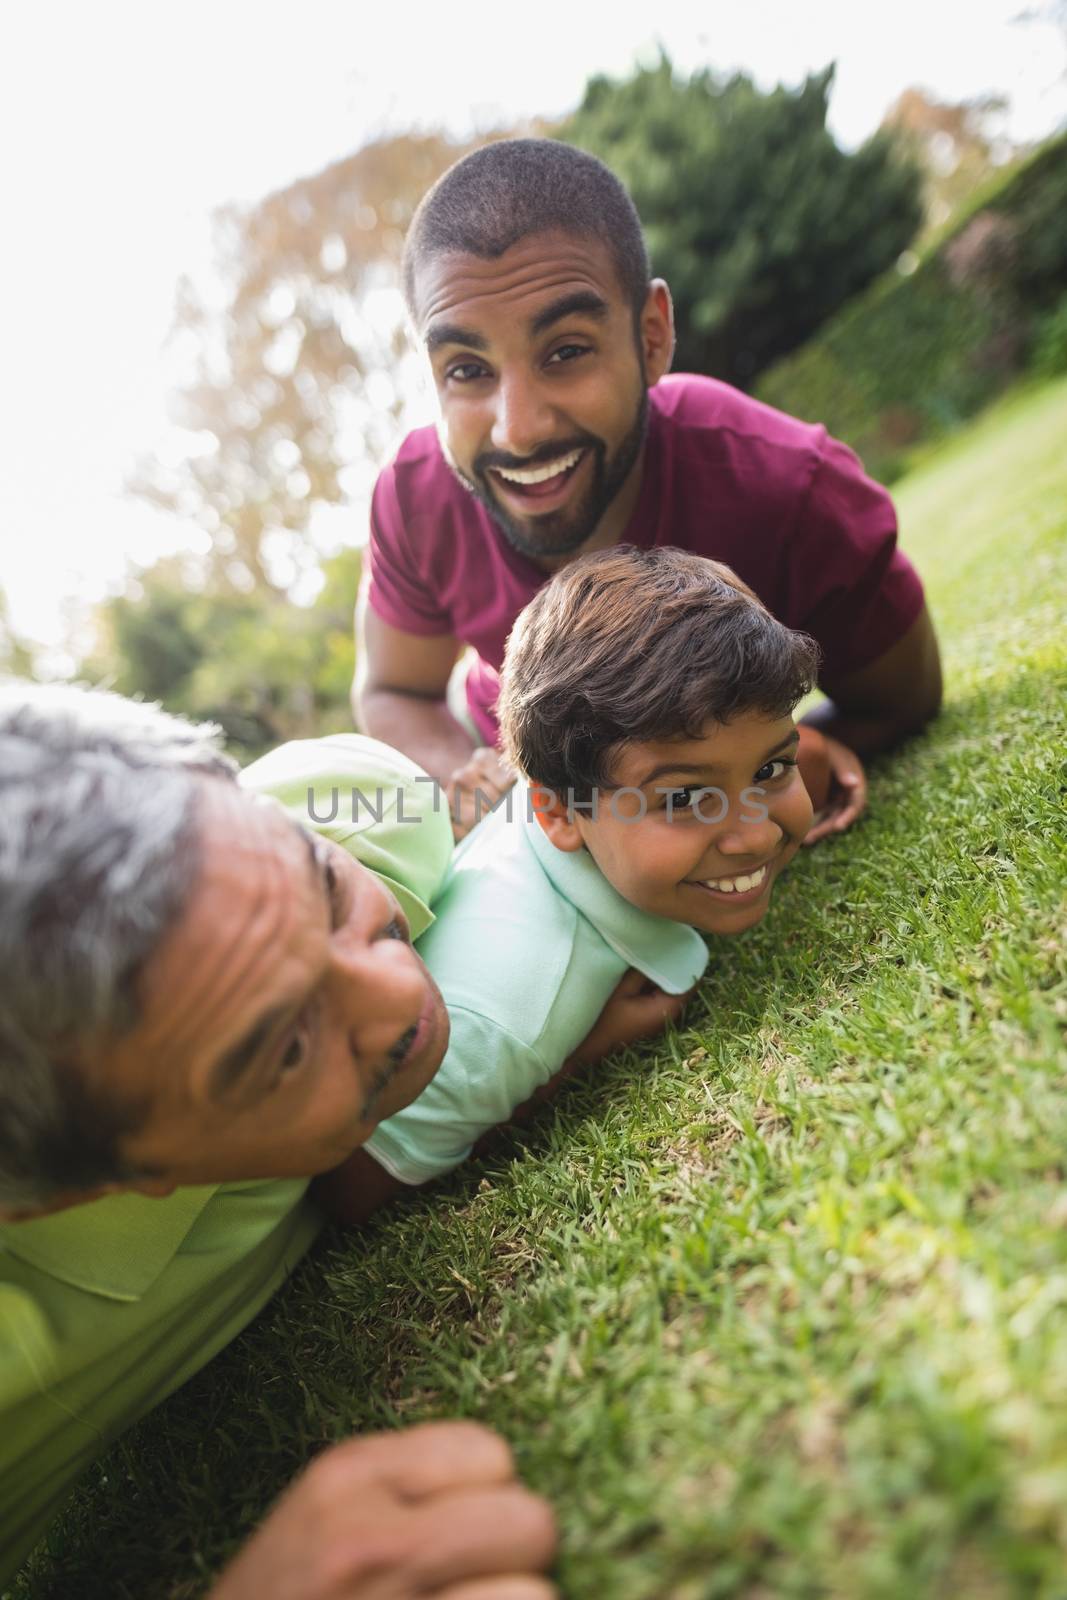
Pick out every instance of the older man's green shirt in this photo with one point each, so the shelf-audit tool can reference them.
(108, 1307)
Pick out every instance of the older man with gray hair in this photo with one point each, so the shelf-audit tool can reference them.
(203, 1003)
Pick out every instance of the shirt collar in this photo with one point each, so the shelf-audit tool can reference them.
(671, 954)
(116, 1246)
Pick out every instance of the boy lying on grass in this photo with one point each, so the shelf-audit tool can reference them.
(647, 700)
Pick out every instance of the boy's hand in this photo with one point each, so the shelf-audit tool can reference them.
(636, 1009)
(848, 792)
(434, 1510)
(475, 787)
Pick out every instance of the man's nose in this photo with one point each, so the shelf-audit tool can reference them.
(378, 990)
(522, 418)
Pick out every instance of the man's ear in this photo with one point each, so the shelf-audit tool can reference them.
(559, 824)
(656, 331)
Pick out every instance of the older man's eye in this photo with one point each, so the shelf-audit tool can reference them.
(300, 1046)
(334, 892)
(293, 1054)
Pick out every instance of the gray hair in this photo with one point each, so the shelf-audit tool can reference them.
(97, 853)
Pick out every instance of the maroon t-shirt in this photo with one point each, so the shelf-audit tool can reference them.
(789, 508)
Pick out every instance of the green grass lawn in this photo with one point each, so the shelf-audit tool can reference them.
(779, 1308)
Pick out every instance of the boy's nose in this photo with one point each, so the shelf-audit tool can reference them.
(748, 842)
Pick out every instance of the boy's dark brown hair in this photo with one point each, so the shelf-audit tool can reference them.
(629, 645)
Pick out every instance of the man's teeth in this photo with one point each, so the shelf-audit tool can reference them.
(539, 474)
(737, 885)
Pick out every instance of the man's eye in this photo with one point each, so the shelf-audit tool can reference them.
(766, 774)
(465, 372)
(567, 352)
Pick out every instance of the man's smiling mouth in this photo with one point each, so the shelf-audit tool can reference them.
(538, 482)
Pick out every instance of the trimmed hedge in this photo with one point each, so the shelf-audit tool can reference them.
(914, 356)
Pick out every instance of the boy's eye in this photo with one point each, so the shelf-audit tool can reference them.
(766, 773)
(396, 930)
(681, 799)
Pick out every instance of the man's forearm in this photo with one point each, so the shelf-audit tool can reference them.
(889, 699)
(419, 727)
(867, 733)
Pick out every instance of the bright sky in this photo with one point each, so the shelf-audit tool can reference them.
(122, 125)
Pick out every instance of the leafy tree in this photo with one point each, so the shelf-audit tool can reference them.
(954, 147)
(759, 222)
(288, 361)
(265, 669)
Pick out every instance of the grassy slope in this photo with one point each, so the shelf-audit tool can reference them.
(780, 1309)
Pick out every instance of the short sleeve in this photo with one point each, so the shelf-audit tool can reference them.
(851, 586)
(380, 806)
(485, 1074)
(397, 591)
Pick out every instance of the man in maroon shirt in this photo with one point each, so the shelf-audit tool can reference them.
(528, 282)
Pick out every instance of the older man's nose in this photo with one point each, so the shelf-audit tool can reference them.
(379, 990)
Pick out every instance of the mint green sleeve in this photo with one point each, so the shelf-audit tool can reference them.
(486, 1073)
(381, 807)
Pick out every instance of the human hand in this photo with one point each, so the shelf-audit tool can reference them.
(636, 1009)
(430, 1511)
(848, 792)
(475, 787)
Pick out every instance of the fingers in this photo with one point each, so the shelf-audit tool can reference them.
(428, 1511)
(474, 789)
(652, 1012)
(847, 796)
(502, 1588)
(430, 1459)
(456, 1538)
(631, 984)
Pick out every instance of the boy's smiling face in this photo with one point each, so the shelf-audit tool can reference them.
(701, 826)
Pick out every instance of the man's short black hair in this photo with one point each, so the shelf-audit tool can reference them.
(513, 188)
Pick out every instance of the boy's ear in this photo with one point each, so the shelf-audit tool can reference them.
(558, 824)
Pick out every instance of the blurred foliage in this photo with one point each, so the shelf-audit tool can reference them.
(954, 147)
(16, 656)
(289, 397)
(265, 669)
(761, 225)
(1050, 342)
(291, 354)
(916, 355)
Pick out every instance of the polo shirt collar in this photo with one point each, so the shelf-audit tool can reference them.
(116, 1246)
(671, 954)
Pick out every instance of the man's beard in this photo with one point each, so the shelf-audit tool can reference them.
(560, 533)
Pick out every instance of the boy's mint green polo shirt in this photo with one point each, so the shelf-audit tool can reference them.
(528, 944)
(108, 1307)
